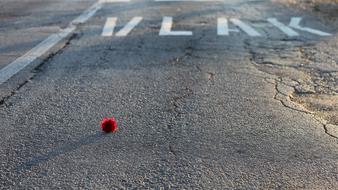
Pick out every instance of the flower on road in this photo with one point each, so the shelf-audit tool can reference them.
(109, 125)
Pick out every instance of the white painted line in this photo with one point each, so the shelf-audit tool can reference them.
(23, 61)
(43, 47)
(130, 26)
(189, 0)
(87, 14)
(166, 27)
(295, 23)
(246, 28)
(109, 27)
(114, 1)
(287, 30)
(223, 27)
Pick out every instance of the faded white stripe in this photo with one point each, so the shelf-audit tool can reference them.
(295, 23)
(109, 27)
(246, 28)
(130, 26)
(167, 26)
(43, 47)
(189, 0)
(223, 27)
(282, 27)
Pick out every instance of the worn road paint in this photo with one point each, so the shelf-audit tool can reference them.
(295, 23)
(129, 26)
(189, 0)
(109, 27)
(287, 30)
(87, 14)
(43, 47)
(23, 61)
(167, 27)
(246, 28)
(223, 27)
(114, 1)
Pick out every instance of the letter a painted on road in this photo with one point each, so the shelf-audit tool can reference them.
(223, 28)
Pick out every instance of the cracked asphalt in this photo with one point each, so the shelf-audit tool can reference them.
(195, 112)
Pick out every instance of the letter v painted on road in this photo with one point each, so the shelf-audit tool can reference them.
(109, 27)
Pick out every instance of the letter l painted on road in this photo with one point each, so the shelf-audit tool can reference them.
(167, 26)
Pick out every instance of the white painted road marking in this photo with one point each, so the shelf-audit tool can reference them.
(287, 30)
(166, 30)
(189, 0)
(87, 14)
(295, 23)
(109, 27)
(223, 28)
(167, 26)
(23, 61)
(114, 1)
(246, 28)
(127, 28)
(42, 48)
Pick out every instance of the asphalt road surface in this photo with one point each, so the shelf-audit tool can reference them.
(190, 83)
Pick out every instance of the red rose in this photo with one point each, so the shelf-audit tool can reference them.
(109, 125)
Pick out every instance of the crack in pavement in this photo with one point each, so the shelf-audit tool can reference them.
(321, 121)
(287, 99)
(284, 97)
(172, 151)
(286, 102)
(177, 114)
(176, 99)
(283, 102)
(181, 95)
(211, 75)
(180, 59)
(39, 69)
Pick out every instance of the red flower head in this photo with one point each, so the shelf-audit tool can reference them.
(109, 125)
